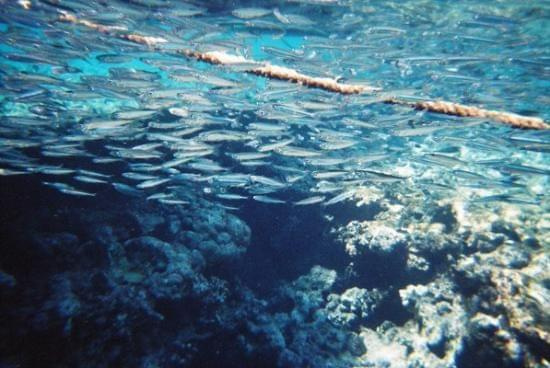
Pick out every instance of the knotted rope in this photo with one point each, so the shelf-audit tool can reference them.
(276, 72)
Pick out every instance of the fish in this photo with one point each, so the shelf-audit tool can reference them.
(382, 177)
(267, 127)
(280, 16)
(309, 201)
(420, 131)
(293, 55)
(159, 196)
(133, 114)
(249, 13)
(208, 166)
(55, 171)
(194, 153)
(176, 162)
(137, 176)
(267, 181)
(179, 112)
(76, 192)
(146, 146)
(67, 189)
(267, 199)
(165, 93)
(137, 154)
(63, 153)
(294, 178)
(330, 146)
(89, 179)
(217, 81)
(293, 151)
(275, 145)
(341, 197)
(214, 136)
(164, 125)
(93, 173)
(164, 138)
(105, 124)
(152, 183)
(443, 160)
(326, 161)
(246, 156)
(293, 19)
(105, 160)
(323, 175)
(234, 180)
(231, 196)
(252, 163)
(508, 198)
(468, 175)
(113, 58)
(173, 201)
(524, 169)
(9, 172)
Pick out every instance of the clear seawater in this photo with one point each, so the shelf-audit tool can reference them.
(159, 211)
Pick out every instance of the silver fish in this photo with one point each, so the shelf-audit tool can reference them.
(323, 175)
(152, 183)
(230, 196)
(267, 199)
(159, 196)
(249, 13)
(208, 166)
(245, 156)
(89, 179)
(310, 200)
(173, 201)
(137, 176)
(275, 145)
(105, 124)
(341, 197)
(267, 181)
(293, 151)
(76, 192)
(133, 114)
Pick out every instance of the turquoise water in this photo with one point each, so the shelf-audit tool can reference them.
(161, 211)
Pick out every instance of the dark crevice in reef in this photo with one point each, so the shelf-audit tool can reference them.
(217, 352)
(390, 309)
(480, 348)
(346, 211)
(286, 242)
(379, 271)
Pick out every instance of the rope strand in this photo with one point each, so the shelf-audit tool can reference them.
(277, 72)
(451, 108)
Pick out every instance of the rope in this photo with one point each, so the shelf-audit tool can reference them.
(111, 30)
(451, 108)
(25, 4)
(276, 72)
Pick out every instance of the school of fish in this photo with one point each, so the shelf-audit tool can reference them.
(89, 112)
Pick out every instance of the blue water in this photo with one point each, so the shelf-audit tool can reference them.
(159, 211)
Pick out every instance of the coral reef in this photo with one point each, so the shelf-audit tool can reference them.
(475, 281)
(420, 281)
(122, 289)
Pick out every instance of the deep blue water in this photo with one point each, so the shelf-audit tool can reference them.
(159, 211)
